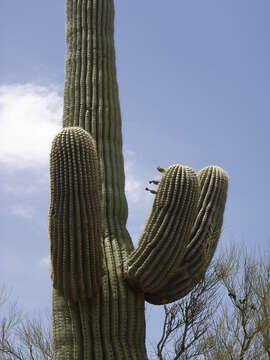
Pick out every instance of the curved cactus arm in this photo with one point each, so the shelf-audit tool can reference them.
(207, 228)
(75, 216)
(203, 240)
(167, 231)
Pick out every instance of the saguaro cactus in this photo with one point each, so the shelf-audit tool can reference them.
(100, 282)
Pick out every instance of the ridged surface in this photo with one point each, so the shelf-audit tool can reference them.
(75, 218)
(110, 324)
(166, 233)
(203, 238)
(91, 98)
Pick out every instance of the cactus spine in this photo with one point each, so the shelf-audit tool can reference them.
(100, 282)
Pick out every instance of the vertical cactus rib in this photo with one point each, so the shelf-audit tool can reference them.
(91, 97)
(207, 227)
(75, 218)
(167, 231)
(111, 324)
(66, 329)
(203, 238)
(97, 313)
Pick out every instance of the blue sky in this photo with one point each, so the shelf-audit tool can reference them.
(194, 85)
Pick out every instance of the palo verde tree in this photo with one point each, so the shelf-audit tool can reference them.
(225, 316)
(100, 282)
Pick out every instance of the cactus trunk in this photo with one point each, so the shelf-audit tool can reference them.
(110, 325)
(91, 98)
(100, 282)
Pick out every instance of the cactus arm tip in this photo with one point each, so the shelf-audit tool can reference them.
(75, 217)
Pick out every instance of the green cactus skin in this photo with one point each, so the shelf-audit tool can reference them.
(167, 231)
(75, 215)
(203, 238)
(100, 282)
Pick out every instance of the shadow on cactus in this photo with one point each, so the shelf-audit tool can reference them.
(100, 282)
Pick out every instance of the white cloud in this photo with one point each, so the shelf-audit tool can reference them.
(22, 210)
(44, 262)
(135, 189)
(30, 116)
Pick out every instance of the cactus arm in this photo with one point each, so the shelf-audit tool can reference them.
(75, 217)
(167, 230)
(204, 237)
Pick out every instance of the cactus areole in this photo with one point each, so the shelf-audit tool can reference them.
(100, 282)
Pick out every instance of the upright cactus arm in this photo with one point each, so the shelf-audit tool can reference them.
(75, 216)
(203, 238)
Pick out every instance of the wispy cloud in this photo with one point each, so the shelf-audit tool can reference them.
(22, 210)
(139, 200)
(30, 116)
(23, 188)
(135, 189)
(44, 262)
